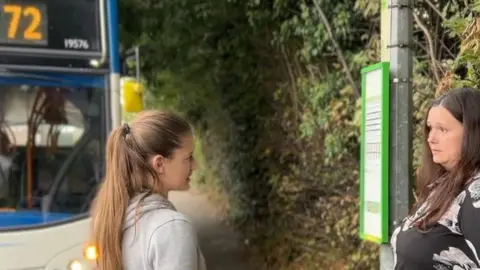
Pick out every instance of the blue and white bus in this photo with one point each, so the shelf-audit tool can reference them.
(59, 97)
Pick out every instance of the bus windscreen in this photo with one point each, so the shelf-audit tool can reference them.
(51, 145)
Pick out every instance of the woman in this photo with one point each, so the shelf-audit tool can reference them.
(134, 225)
(443, 231)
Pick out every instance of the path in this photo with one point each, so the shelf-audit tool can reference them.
(220, 245)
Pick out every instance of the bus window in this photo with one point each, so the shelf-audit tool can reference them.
(51, 144)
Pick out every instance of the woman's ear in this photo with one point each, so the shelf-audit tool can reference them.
(157, 163)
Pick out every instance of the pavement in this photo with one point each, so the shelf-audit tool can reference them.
(222, 247)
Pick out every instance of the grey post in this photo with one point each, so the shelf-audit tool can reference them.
(400, 118)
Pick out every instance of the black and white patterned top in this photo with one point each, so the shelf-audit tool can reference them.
(451, 244)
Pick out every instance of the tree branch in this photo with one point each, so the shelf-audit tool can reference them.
(340, 55)
(431, 51)
(435, 9)
(293, 89)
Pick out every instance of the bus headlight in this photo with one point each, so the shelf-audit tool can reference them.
(75, 265)
(91, 253)
(94, 63)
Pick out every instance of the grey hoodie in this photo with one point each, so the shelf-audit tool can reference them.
(157, 237)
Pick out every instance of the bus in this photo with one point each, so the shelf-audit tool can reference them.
(60, 95)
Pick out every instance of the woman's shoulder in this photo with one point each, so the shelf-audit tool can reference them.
(472, 190)
(474, 184)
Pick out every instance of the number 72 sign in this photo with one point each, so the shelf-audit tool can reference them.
(23, 24)
(51, 29)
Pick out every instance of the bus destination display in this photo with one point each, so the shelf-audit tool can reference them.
(52, 25)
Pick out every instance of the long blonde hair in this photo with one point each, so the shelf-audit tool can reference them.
(128, 173)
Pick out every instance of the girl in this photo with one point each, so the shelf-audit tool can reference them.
(134, 225)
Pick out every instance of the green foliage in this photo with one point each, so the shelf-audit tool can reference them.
(276, 110)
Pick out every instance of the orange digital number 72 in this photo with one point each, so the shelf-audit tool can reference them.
(16, 11)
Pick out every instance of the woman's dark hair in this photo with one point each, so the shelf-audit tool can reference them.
(464, 105)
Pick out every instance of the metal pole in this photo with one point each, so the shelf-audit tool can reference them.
(385, 24)
(114, 47)
(401, 72)
(137, 63)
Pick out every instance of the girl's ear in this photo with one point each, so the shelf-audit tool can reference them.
(158, 163)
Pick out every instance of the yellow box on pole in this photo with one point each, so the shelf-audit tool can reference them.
(132, 95)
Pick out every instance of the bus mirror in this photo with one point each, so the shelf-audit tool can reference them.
(132, 95)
